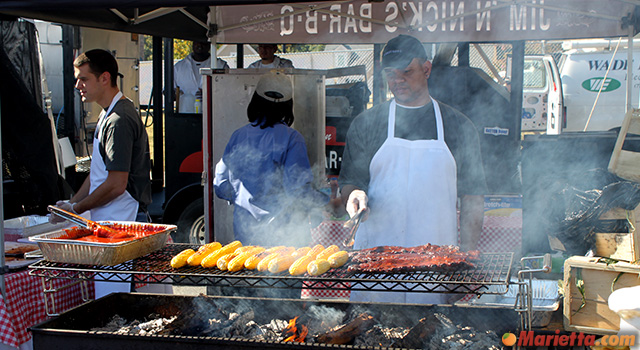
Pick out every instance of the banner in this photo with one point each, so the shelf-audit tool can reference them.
(363, 22)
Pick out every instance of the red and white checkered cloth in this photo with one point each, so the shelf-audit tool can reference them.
(501, 234)
(24, 306)
(328, 233)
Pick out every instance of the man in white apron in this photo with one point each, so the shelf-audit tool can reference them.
(405, 162)
(187, 77)
(118, 187)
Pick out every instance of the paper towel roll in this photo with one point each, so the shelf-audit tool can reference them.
(68, 155)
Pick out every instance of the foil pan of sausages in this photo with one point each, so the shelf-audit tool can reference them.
(77, 245)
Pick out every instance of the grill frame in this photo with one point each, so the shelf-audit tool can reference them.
(70, 330)
(494, 269)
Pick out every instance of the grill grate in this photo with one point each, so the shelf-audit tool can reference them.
(492, 269)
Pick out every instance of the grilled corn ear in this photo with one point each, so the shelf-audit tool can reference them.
(224, 260)
(318, 267)
(263, 265)
(326, 253)
(281, 263)
(203, 251)
(301, 252)
(237, 263)
(317, 249)
(180, 260)
(212, 259)
(338, 259)
(300, 265)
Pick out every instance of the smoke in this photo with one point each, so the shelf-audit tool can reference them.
(274, 205)
(330, 317)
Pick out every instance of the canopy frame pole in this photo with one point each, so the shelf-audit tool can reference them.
(631, 29)
(3, 287)
(212, 33)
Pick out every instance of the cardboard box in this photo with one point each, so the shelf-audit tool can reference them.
(622, 246)
(598, 280)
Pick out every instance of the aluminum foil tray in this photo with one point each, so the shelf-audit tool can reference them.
(545, 300)
(107, 254)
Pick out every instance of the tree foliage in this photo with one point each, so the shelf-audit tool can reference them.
(181, 48)
(302, 47)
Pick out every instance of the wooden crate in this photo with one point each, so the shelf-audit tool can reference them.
(623, 163)
(598, 277)
(621, 246)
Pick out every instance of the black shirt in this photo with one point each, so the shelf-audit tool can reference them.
(369, 131)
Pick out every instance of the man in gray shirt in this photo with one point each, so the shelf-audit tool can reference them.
(119, 185)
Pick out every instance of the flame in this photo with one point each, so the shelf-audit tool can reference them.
(297, 332)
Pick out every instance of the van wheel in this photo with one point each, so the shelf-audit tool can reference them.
(191, 224)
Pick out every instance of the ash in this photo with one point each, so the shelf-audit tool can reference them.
(243, 325)
(119, 325)
(449, 336)
(381, 336)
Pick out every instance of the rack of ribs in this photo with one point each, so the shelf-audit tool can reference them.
(429, 257)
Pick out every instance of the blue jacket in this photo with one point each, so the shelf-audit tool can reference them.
(266, 174)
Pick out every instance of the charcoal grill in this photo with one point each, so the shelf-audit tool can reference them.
(491, 270)
(490, 275)
(72, 330)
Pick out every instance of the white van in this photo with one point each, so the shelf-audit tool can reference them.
(594, 82)
(542, 97)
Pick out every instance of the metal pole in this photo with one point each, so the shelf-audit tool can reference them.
(213, 39)
(3, 287)
(517, 81)
(157, 171)
(378, 88)
(629, 67)
(240, 56)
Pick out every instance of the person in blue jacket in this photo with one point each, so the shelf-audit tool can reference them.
(265, 171)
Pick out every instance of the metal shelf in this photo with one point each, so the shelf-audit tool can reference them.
(493, 269)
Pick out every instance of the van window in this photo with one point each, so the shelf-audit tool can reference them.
(534, 74)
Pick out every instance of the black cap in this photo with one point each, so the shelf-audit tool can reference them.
(401, 50)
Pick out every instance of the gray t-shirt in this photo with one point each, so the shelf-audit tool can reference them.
(368, 132)
(125, 147)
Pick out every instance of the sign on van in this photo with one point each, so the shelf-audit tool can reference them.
(601, 84)
(595, 84)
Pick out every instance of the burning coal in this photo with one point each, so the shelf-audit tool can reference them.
(295, 332)
(319, 324)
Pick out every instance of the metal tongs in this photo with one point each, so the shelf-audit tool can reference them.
(75, 218)
(98, 229)
(353, 223)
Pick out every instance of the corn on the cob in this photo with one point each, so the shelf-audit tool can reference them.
(237, 263)
(338, 259)
(301, 252)
(224, 260)
(263, 265)
(275, 249)
(244, 248)
(326, 253)
(203, 251)
(300, 265)
(180, 260)
(252, 262)
(318, 267)
(212, 259)
(317, 249)
(281, 263)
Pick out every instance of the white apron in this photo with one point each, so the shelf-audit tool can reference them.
(122, 208)
(412, 198)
